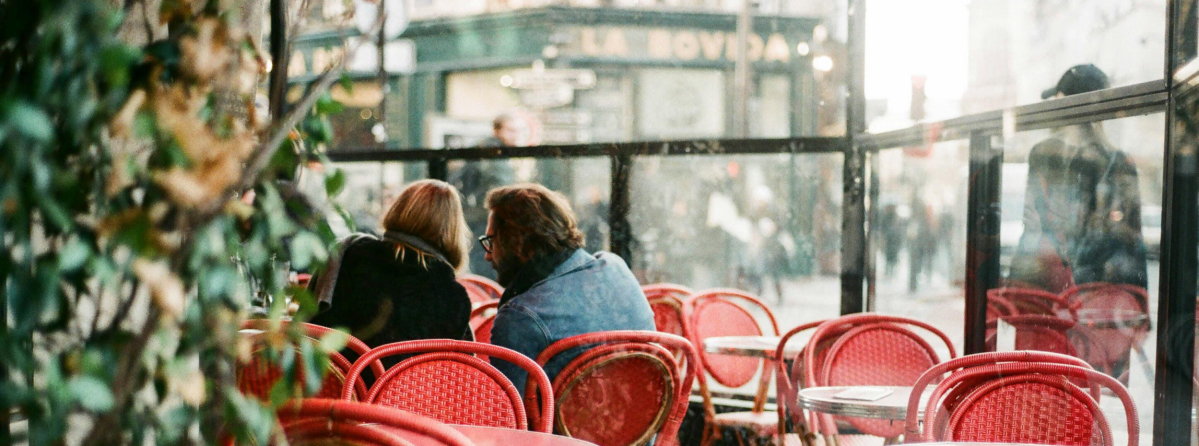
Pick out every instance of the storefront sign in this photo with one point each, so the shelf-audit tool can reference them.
(551, 96)
(678, 44)
(533, 78)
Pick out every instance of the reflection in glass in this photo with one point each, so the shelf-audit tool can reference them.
(766, 224)
(369, 189)
(1079, 263)
(920, 238)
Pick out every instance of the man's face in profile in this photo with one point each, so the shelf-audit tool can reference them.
(507, 133)
(504, 262)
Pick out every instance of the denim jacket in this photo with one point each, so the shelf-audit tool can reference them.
(584, 294)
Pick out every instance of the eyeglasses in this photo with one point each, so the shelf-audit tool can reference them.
(485, 240)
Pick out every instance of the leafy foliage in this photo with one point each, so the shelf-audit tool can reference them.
(137, 231)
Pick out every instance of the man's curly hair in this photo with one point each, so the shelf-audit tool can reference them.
(531, 221)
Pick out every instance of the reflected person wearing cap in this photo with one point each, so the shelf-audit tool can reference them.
(1082, 206)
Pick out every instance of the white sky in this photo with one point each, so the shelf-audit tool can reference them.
(910, 37)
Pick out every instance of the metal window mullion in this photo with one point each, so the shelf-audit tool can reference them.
(982, 236)
(1173, 386)
(854, 245)
(620, 205)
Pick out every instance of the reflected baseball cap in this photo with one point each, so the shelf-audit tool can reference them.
(1078, 79)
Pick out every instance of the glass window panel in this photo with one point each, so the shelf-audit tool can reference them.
(585, 72)
(1080, 247)
(938, 59)
(370, 188)
(767, 224)
(920, 241)
(585, 181)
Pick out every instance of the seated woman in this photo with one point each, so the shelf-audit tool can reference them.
(403, 287)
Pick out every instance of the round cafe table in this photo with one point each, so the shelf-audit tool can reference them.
(890, 407)
(496, 436)
(753, 346)
(1102, 318)
(757, 347)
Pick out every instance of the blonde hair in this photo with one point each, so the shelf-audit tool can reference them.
(432, 211)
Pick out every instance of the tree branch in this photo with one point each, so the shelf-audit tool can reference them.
(261, 157)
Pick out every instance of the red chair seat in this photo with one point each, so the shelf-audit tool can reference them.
(446, 382)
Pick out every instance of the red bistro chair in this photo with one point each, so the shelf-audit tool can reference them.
(725, 312)
(869, 349)
(625, 389)
(998, 306)
(1036, 332)
(669, 316)
(666, 300)
(1034, 301)
(260, 374)
(481, 320)
(949, 398)
(1023, 402)
(481, 289)
(444, 381)
(788, 386)
(1116, 318)
(314, 420)
(666, 289)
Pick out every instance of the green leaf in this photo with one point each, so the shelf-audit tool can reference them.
(334, 340)
(31, 121)
(335, 182)
(345, 215)
(258, 419)
(306, 248)
(314, 373)
(74, 255)
(346, 82)
(116, 62)
(55, 213)
(285, 160)
(91, 393)
(326, 105)
(144, 125)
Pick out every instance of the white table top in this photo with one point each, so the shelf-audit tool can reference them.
(890, 407)
(756, 346)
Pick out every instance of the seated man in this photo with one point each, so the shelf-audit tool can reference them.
(553, 288)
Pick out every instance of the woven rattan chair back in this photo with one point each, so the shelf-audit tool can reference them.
(446, 382)
(725, 312)
(870, 349)
(481, 289)
(257, 376)
(970, 373)
(1127, 305)
(669, 318)
(1028, 408)
(626, 389)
